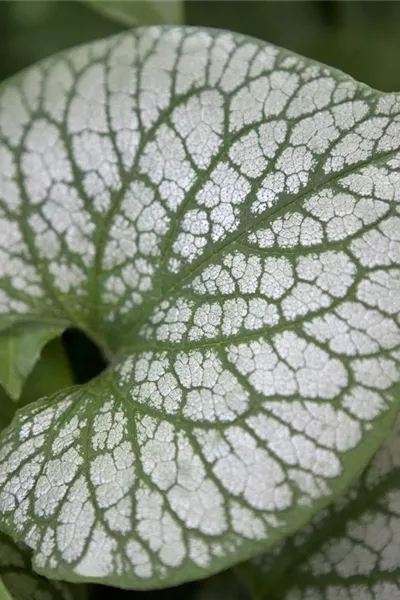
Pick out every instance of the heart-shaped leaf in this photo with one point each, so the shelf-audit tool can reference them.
(222, 217)
(350, 551)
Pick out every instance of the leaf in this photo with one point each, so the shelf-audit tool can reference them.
(50, 374)
(4, 595)
(20, 348)
(18, 582)
(351, 550)
(141, 12)
(221, 216)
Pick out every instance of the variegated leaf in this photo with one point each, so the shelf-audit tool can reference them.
(349, 551)
(223, 218)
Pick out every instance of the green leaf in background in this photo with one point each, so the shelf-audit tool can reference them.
(18, 582)
(290, 24)
(31, 31)
(51, 373)
(350, 551)
(360, 38)
(141, 12)
(222, 217)
(4, 595)
(20, 348)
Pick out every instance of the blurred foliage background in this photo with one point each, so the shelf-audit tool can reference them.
(359, 37)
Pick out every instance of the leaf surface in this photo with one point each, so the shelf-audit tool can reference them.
(222, 217)
(141, 12)
(350, 551)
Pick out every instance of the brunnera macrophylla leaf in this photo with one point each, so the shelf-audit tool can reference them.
(223, 217)
(20, 348)
(19, 582)
(141, 12)
(350, 551)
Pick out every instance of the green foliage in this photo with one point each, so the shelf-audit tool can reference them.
(18, 582)
(50, 374)
(4, 595)
(202, 204)
(141, 12)
(360, 38)
(30, 31)
(20, 348)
